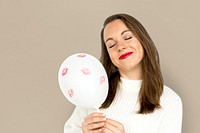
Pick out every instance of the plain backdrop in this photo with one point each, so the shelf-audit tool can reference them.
(37, 35)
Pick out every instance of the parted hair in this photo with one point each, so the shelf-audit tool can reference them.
(152, 80)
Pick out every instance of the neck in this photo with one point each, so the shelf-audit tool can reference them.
(132, 75)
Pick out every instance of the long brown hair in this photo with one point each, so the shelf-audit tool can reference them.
(152, 80)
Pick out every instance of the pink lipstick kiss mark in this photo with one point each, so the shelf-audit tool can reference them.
(81, 55)
(86, 71)
(64, 71)
(102, 79)
(71, 92)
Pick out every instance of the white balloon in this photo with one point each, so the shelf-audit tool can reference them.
(83, 80)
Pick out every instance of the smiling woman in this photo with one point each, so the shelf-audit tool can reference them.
(124, 49)
(137, 101)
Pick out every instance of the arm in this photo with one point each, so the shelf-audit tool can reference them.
(172, 120)
(74, 123)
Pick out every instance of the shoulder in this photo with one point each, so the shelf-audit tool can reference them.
(170, 97)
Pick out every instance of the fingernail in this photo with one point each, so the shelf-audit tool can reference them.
(100, 130)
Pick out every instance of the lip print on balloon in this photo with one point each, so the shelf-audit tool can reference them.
(81, 55)
(64, 71)
(86, 71)
(102, 79)
(71, 92)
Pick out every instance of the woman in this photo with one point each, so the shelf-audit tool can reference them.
(138, 101)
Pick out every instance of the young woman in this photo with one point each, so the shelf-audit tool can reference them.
(138, 101)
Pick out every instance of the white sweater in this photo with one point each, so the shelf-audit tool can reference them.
(168, 119)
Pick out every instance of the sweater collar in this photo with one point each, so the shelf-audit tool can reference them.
(130, 85)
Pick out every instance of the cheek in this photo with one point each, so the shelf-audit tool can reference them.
(140, 50)
(141, 53)
(113, 56)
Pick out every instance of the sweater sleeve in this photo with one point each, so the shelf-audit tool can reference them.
(74, 123)
(172, 120)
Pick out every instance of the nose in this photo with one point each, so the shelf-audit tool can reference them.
(121, 46)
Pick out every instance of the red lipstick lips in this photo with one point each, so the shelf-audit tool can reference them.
(124, 56)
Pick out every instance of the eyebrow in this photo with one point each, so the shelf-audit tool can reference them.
(125, 31)
(121, 34)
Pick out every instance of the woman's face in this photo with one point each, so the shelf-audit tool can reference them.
(125, 50)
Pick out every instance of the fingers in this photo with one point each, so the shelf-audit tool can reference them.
(94, 123)
(98, 123)
(113, 126)
(95, 117)
(96, 126)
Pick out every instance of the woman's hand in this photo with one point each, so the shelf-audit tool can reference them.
(94, 123)
(113, 126)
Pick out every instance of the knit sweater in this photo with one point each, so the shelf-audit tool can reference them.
(167, 119)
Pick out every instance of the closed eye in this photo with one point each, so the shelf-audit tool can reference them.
(111, 46)
(127, 38)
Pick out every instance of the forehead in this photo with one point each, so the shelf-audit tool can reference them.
(114, 27)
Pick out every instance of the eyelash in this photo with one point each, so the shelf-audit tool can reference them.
(112, 46)
(127, 38)
(124, 39)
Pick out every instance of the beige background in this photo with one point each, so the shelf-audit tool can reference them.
(37, 35)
